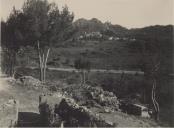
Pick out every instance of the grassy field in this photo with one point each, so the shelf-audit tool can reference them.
(117, 55)
(103, 55)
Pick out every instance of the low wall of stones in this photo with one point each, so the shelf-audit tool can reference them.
(60, 110)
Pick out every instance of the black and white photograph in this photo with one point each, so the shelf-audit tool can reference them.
(87, 63)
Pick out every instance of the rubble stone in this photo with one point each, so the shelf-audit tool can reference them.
(58, 109)
(29, 81)
(85, 94)
(75, 115)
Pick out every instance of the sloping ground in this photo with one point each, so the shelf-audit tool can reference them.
(106, 110)
(9, 108)
(29, 102)
(28, 99)
(71, 113)
(124, 120)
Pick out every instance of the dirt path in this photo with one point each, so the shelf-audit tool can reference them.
(3, 85)
(95, 70)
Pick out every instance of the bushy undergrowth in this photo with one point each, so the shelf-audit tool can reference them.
(93, 96)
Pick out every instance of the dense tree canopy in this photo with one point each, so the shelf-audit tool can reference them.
(37, 22)
(46, 22)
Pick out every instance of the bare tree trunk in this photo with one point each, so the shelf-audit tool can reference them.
(87, 76)
(45, 64)
(43, 61)
(11, 65)
(155, 103)
(40, 63)
(144, 96)
(121, 79)
(153, 97)
(12, 62)
(84, 78)
(81, 77)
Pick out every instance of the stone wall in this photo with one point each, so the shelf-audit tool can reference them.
(66, 111)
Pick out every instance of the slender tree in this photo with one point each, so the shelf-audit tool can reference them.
(151, 73)
(150, 51)
(45, 26)
(83, 66)
(154, 73)
(39, 24)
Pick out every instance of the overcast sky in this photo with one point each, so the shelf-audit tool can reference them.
(128, 13)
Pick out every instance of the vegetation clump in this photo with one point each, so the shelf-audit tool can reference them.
(93, 96)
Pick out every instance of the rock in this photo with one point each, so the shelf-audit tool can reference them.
(75, 115)
(47, 104)
(29, 81)
(69, 112)
(53, 88)
(85, 94)
(108, 110)
(104, 98)
(46, 113)
(17, 75)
